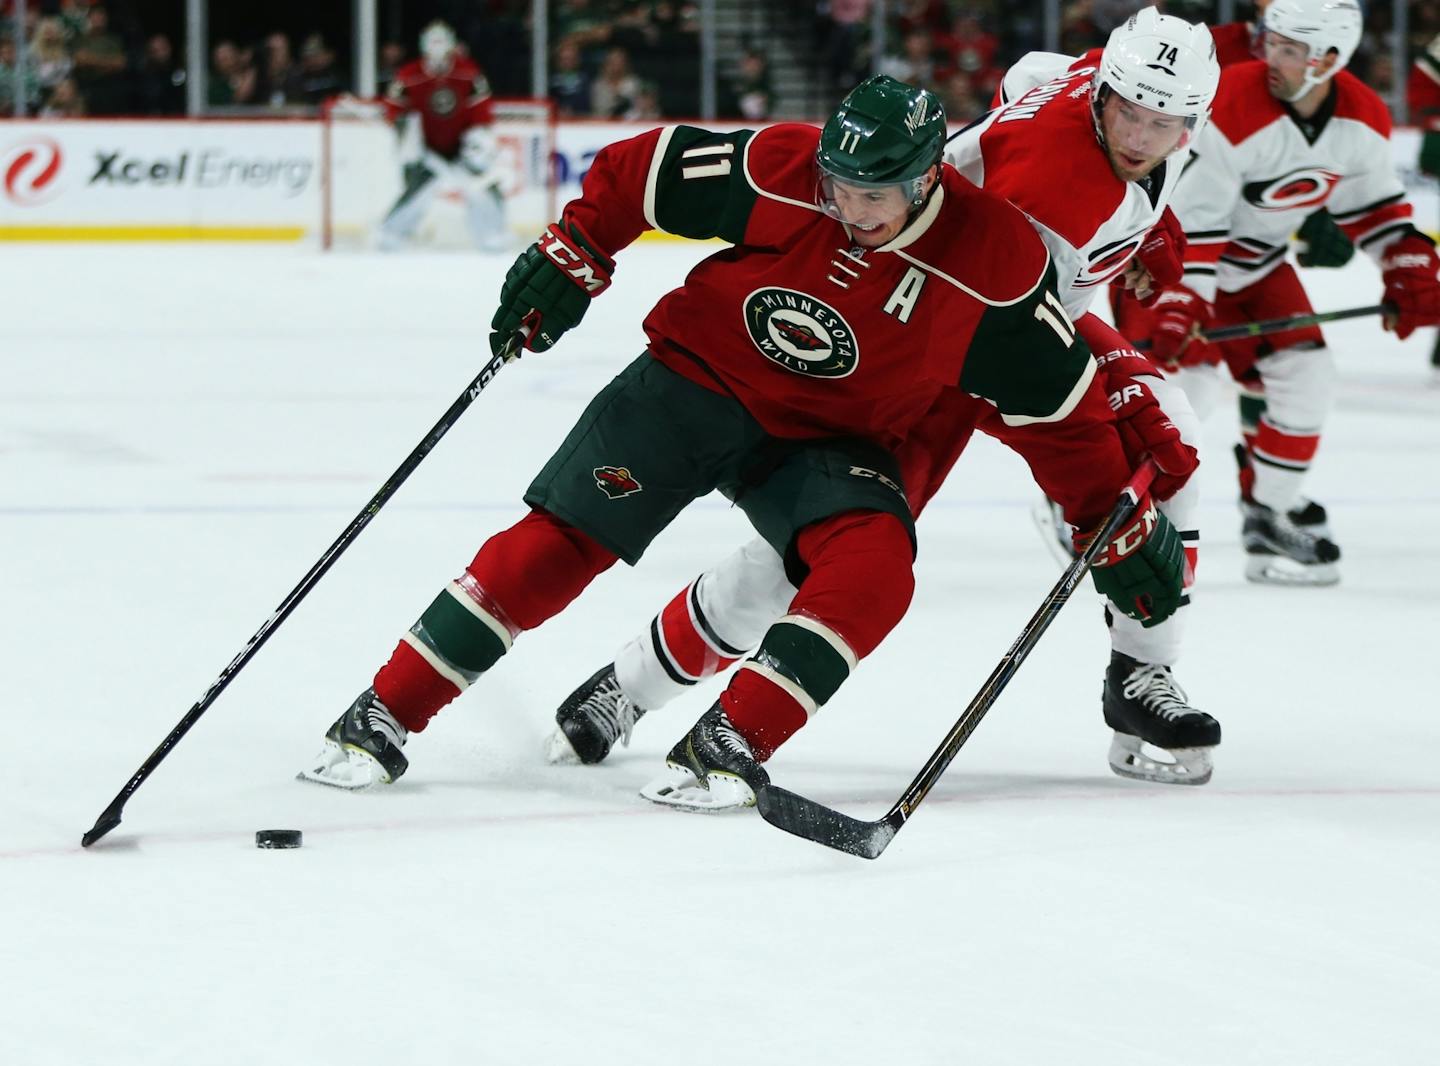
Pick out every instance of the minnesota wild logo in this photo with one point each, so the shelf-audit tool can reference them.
(616, 481)
(801, 333)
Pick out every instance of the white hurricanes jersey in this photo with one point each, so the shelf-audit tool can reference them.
(1040, 151)
(1258, 171)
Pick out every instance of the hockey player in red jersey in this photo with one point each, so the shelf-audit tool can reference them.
(1289, 135)
(866, 282)
(1114, 195)
(446, 95)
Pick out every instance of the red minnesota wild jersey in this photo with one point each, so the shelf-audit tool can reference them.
(448, 103)
(817, 336)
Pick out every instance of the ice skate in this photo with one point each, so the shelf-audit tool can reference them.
(1279, 552)
(1054, 530)
(592, 719)
(712, 769)
(1158, 736)
(1307, 514)
(361, 749)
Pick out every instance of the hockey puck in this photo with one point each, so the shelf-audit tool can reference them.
(278, 838)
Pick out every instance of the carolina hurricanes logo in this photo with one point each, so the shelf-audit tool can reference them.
(1308, 187)
(800, 333)
(615, 481)
(1108, 261)
(28, 171)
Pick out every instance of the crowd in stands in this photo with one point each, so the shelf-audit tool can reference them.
(78, 63)
(625, 59)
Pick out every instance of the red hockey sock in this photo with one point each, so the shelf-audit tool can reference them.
(519, 578)
(858, 588)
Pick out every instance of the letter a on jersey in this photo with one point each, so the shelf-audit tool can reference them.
(902, 300)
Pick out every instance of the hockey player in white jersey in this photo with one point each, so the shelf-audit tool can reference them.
(1289, 134)
(1109, 206)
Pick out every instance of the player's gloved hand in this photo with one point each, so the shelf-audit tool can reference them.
(1409, 271)
(1180, 314)
(1322, 243)
(1145, 430)
(1162, 254)
(1142, 570)
(549, 288)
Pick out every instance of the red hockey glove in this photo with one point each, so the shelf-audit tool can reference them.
(549, 288)
(1409, 272)
(1142, 570)
(1145, 429)
(1162, 254)
(1180, 314)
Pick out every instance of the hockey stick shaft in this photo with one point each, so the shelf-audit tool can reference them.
(110, 816)
(1279, 325)
(813, 821)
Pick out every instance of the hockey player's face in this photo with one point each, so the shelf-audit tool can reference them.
(1137, 139)
(875, 215)
(1287, 61)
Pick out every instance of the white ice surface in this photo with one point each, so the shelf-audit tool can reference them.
(184, 431)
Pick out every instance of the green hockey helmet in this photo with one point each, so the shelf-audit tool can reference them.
(884, 133)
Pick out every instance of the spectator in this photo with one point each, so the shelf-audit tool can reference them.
(754, 96)
(233, 78)
(615, 87)
(319, 77)
(844, 56)
(645, 107)
(48, 53)
(392, 58)
(161, 82)
(7, 81)
(74, 18)
(279, 78)
(916, 63)
(580, 21)
(962, 104)
(65, 101)
(569, 84)
(100, 67)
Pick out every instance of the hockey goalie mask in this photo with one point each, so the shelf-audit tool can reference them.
(1320, 27)
(437, 47)
(1162, 68)
(875, 165)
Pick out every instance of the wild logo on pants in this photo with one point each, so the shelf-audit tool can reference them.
(615, 481)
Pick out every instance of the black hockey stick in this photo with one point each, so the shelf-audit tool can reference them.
(110, 816)
(1279, 325)
(813, 821)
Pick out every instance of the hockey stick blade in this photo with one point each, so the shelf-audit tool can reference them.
(823, 825)
(814, 821)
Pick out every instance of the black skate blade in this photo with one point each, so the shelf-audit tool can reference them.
(815, 822)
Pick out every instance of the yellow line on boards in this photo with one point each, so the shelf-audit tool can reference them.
(152, 233)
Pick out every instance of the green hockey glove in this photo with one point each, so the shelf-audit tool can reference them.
(1323, 243)
(1142, 570)
(549, 288)
(1430, 152)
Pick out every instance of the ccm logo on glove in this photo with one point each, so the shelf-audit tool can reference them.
(583, 271)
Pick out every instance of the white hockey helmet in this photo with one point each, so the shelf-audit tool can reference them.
(1162, 63)
(437, 44)
(1323, 26)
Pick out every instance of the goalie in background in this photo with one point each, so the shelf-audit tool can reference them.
(443, 107)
